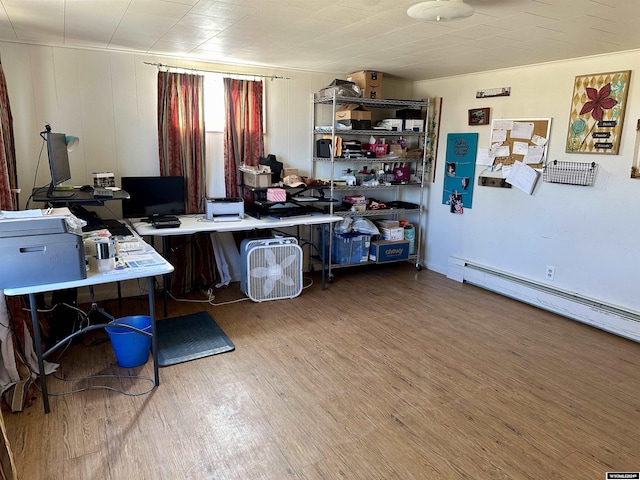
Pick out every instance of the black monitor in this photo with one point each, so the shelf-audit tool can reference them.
(153, 196)
(58, 163)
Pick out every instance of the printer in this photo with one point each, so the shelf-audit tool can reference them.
(38, 251)
(227, 209)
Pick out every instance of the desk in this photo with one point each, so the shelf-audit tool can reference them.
(157, 265)
(191, 224)
(79, 197)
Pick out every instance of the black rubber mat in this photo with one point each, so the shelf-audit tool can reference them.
(185, 338)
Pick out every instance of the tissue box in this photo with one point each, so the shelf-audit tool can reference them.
(276, 195)
(104, 179)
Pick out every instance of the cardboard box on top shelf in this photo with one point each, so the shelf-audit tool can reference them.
(353, 112)
(369, 81)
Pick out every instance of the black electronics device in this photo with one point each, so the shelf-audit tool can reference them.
(165, 222)
(58, 162)
(153, 196)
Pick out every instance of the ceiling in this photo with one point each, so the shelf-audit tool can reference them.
(332, 36)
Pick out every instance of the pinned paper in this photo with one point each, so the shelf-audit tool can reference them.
(520, 148)
(483, 157)
(534, 155)
(522, 130)
(498, 135)
(503, 124)
(502, 151)
(538, 140)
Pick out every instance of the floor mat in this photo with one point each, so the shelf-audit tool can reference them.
(185, 338)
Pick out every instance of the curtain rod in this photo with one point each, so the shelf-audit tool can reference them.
(272, 77)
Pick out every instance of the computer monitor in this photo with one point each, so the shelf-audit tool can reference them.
(58, 163)
(153, 196)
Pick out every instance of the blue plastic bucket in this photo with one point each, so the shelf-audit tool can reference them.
(131, 348)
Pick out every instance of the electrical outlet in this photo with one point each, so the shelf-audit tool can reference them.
(551, 272)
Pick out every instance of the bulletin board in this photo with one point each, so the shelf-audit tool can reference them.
(459, 171)
(520, 139)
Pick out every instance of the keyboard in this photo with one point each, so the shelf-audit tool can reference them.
(102, 192)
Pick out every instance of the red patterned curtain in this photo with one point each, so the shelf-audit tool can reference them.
(8, 171)
(243, 132)
(181, 141)
(181, 133)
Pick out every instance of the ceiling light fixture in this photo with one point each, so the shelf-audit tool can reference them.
(440, 10)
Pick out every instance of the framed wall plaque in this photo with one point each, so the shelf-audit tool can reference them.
(597, 112)
(479, 116)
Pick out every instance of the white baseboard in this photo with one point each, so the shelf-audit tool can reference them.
(598, 314)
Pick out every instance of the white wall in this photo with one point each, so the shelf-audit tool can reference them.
(590, 234)
(108, 100)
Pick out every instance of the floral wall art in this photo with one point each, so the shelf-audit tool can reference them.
(597, 112)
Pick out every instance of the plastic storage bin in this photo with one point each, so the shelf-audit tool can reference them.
(348, 248)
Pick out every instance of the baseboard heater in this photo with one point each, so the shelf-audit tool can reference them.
(582, 309)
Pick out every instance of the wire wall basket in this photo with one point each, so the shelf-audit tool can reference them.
(570, 173)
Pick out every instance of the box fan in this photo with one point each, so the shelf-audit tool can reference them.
(271, 268)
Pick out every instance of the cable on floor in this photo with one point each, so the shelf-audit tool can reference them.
(105, 387)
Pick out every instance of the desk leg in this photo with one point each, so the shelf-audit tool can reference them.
(37, 340)
(322, 233)
(166, 280)
(154, 336)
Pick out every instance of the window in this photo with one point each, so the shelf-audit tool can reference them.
(214, 102)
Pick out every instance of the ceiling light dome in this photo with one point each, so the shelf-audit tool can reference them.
(440, 10)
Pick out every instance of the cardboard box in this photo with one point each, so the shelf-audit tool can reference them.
(353, 112)
(256, 179)
(413, 125)
(369, 81)
(395, 233)
(387, 251)
(397, 150)
(289, 171)
(387, 223)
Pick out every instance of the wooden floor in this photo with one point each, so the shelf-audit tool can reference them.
(390, 373)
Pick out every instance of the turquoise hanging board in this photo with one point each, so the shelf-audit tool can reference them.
(459, 170)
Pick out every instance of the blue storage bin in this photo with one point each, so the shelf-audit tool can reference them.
(349, 248)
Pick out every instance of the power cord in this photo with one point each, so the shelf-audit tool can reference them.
(211, 297)
(105, 387)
